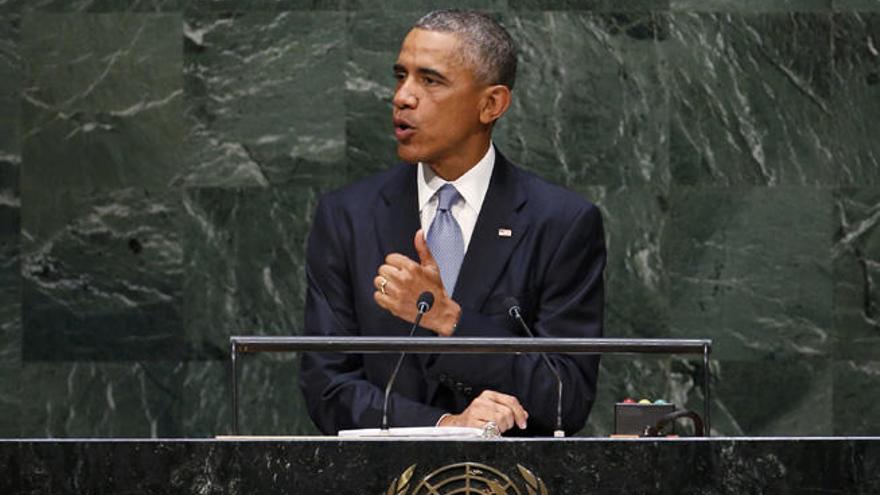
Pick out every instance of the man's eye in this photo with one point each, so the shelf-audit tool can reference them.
(430, 81)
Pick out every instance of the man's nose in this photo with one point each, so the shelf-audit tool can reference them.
(404, 97)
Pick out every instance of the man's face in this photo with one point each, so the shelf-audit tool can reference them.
(437, 101)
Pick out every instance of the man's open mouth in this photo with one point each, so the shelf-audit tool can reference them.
(403, 129)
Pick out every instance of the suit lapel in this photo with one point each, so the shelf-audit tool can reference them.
(398, 220)
(396, 224)
(490, 245)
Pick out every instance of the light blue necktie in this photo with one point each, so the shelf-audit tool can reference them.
(444, 238)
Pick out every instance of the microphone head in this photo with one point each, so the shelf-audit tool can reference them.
(426, 300)
(512, 306)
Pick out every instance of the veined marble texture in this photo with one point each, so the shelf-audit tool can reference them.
(10, 224)
(96, 399)
(101, 100)
(751, 5)
(861, 5)
(270, 402)
(750, 268)
(102, 276)
(589, 107)
(751, 99)
(856, 263)
(245, 263)
(160, 162)
(95, 5)
(856, 97)
(855, 383)
(595, 5)
(264, 98)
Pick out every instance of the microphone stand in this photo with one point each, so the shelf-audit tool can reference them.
(514, 312)
(426, 300)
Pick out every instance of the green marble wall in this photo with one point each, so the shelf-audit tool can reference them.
(160, 161)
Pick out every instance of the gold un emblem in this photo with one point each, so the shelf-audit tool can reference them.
(467, 478)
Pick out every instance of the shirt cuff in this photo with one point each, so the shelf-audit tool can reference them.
(441, 419)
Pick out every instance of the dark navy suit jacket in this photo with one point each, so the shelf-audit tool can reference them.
(552, 262)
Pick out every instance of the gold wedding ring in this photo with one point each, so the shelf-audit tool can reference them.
(382, 284)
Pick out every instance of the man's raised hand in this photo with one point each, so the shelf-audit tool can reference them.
(400, 281)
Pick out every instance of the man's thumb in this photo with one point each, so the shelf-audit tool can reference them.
(425, 256)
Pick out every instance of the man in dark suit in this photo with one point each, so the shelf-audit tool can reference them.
(493, 231)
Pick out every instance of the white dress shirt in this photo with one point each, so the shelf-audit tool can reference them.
(472, 187)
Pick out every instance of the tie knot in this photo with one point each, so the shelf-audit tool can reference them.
(447, 195)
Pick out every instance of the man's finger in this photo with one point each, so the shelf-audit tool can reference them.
(400, 261)
(519, 413)
(383, 300)
(390, 273)
(425, 256)
(488, 410)
(503, 417)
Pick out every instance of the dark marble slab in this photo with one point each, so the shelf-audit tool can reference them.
(636, 278)
(10, 464)
(82, 399)
(102, 275)
(11, 66)
(102, 100)
(264, 98)
(856, 264)
(10, 224)
(334, 466)
(856, 97)
(857, 5)
(101, 139)
(195, 7)
(589, 113)
(751, 99)
(245, 267)
(749, 268)
(774, 397)
(270, 402)
(388, 6)
(101, 5)
(855, 404)
(596, 5)
(10, 303)
(750, 5)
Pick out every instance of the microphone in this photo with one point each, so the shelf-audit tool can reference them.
(426, 300)
(516, 313)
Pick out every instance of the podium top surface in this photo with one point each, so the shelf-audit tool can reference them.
(245, 344)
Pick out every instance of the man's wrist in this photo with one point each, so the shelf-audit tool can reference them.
(451, 324)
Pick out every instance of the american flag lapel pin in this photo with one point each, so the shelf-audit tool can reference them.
(505, 232)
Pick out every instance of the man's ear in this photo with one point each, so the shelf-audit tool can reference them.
(495, 101)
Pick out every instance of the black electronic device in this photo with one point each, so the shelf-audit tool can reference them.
(633, 418)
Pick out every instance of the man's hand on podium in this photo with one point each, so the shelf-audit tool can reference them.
(502, 409)
(400, 281)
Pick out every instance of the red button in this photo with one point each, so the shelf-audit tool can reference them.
(629, 401)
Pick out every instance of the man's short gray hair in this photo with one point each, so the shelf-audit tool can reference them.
(487, 46)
